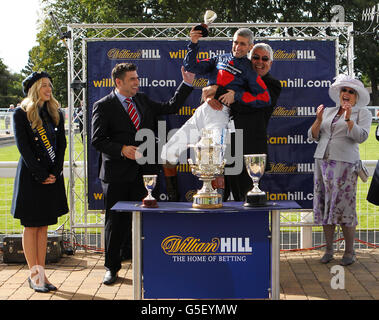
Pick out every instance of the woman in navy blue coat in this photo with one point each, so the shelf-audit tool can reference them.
(373, 192)
(39, 196)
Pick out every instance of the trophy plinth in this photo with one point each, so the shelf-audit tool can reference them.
(255, 200)
(149, 181)
(207, 197)
(209, 164)
(255, 166)
(209, 17)
(147, 203)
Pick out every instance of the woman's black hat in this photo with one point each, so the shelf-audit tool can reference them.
(32, 78)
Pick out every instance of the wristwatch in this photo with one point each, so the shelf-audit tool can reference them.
(347, 120)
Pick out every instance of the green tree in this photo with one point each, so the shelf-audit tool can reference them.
(365, 45)
(4, 75)
(10, 86)
(50, 54)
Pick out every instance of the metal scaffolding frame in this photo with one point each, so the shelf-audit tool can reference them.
(80, 34)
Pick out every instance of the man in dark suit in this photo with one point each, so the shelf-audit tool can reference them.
(115, 121)
(253, 122)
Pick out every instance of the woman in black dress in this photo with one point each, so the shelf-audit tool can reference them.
(39, 196)
(373, 192)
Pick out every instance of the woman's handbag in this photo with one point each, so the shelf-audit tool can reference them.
(362, 171)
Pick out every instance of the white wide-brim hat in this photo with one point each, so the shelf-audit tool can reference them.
(343, 80)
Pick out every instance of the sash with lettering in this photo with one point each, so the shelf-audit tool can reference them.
(45, 135)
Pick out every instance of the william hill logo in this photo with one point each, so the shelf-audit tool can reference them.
(177, 245)
(294, 55)
(200, 83)
(284, 168)
(46, 142)
(280, 111)
(126, 54)
(180, 54)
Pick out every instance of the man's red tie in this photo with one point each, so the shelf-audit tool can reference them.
(132, 112)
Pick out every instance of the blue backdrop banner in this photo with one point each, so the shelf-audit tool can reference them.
(305, 69)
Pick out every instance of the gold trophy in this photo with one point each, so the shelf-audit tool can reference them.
(255, 166)
(209, 17)
(149, 181)
(210, 163)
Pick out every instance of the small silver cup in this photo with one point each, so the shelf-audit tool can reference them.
(255, 167)
(150, 182)
(209, 17)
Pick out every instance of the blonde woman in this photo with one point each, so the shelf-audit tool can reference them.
(39, 196)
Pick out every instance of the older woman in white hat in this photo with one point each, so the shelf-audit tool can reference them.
(338, 131)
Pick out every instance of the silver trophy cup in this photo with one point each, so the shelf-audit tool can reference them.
(209, 163)
(255, 167)
(150, 182)
(209, 17)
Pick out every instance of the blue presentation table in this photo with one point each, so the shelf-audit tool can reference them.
(226, 253)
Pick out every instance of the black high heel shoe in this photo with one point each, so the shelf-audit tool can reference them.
(50, 287)
(37, 288)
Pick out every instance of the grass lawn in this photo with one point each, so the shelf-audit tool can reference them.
(11, 153)
(369, 149)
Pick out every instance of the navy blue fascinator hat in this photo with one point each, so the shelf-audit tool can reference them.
(32, 78)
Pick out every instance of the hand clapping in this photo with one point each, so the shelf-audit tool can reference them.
(347, 106)
(320, 112)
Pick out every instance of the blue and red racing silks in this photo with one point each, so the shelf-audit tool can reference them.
(232, 73)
